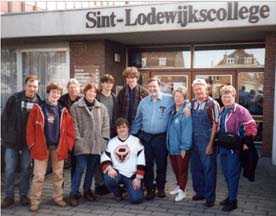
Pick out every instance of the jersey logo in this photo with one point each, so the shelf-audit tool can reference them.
(122, 153)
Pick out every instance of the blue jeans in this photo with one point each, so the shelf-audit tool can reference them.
(12, 158)
(134, 196)
(88, 162)
(231, 168)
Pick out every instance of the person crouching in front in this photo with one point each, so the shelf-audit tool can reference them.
(50, 135)
(123, 162)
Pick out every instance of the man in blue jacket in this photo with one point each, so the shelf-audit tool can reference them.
(150, 125)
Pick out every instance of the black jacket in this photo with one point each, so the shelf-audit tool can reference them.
(13, 123)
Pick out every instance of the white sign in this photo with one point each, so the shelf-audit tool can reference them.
(141, 18)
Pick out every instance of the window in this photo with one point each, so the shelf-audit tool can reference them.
(229, 58)
(144, 62)
(250, 85)
(8, 74)
(167, 59)
(49, 65)
(172, 82)
(162, 62)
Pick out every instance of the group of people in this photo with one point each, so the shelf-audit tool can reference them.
(119, 140)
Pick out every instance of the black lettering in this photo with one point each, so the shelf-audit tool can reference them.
(160, 18)
(112, 19)
(221, 14)
(253, 10)
(209, 16)
(91, 21)
(128, 18)
(203, 14)
(243, 12)
(141, 19)
(264, 11)
(230, 10)
(170, 16)
(192, 14)
(236, 5)
(151, 17)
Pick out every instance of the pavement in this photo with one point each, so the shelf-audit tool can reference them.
(255, 199)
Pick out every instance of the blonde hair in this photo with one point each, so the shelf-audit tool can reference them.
(228, 89)
(73, 81)
(181, 90)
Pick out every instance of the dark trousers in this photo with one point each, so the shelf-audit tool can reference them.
(134, 196)
(87, 163)
(180, 168)
(155, 153)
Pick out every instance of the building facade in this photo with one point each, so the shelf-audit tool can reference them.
(223, 42)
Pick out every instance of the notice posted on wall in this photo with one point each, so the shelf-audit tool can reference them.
(87, 73)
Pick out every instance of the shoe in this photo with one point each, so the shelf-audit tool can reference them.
(7, 202)
(230, 206)
(197, 197)
(180, 195)
(34, 207)
(73, 200)
(175, 191)
(89, 195)
(101, 190)
(60, 203)
(224, 202)
(24, 200)
(150, 194)
(161, 193)
(209, 204)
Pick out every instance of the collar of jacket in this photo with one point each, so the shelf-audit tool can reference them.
(82, 103)
(233, 109)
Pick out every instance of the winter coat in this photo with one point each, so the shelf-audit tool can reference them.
(92, 127)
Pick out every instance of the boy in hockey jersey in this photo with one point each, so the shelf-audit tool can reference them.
(123, 162)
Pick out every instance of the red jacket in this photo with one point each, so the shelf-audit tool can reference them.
(36, 140)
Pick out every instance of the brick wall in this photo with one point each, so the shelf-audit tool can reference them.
(99, 53)
(269, 86)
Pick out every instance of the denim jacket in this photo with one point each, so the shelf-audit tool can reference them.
(179, 133)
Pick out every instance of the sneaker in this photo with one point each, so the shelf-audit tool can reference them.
(34, 207)
(73, 200)
(180, 195)
(24, 200)
(89, 195)
(7, 202)
(175, 191)
(60, 203)
(230, 206)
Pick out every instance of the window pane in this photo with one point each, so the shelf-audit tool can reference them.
(167, 59)
(48, 65)
(251, 86)
(8, 74)
(171, 82)
(229, 58)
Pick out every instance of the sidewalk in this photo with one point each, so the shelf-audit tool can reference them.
(255, 199)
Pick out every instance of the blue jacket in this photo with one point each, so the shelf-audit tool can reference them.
(179, 133)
